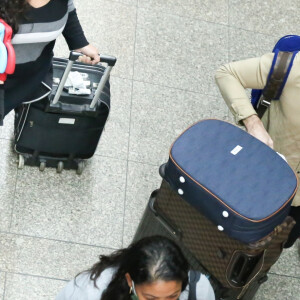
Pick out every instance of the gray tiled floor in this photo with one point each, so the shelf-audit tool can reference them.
(8, 180)
(2, 283)
(211, 11)
(53, 226)
(178, 58)
(268, 17)
(28, 287)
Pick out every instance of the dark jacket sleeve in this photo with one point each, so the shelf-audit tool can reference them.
(73, 32)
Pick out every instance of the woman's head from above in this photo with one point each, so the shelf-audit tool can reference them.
(156, 290)
(153, 268)
(156, 269)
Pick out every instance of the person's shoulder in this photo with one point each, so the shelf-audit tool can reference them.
(84, 280)
(108, 273)
(201, 286)
(297, 58)
(204, 290)
(82, 287)
(105, 278)
(268, 56)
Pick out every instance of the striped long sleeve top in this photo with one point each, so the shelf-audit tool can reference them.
(34, 43)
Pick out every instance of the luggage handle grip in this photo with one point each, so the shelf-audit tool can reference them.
(110, 60)
(241, 267)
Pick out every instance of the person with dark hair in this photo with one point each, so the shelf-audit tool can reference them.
(152, 268)
(36, 24)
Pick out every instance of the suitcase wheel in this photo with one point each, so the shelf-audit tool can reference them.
(60, 167)
(42, 166)
(162, 170)
(80, 167)
(21, 161)
(263, 279)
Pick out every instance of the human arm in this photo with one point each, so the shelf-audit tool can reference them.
(232, 80)
(256, 128)
(91, 55)
(76, 39)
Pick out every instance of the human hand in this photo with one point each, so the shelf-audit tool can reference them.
(256, 128)
(90, 55)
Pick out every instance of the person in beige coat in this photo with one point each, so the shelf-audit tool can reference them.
(279, 128)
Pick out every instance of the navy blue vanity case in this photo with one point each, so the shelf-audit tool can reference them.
(243, 186)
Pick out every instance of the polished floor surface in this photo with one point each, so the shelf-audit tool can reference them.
(54, 225)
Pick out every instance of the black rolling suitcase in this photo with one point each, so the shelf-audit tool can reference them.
(198, 206)
(64, 130)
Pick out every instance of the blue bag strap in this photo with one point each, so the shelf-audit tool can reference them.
(289, 43)
(276, 52)
(256, 95)
(280, 69)
(286, 75)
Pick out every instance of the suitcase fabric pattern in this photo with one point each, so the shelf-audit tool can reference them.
(240, 184)
(236, 269)
(66, 129)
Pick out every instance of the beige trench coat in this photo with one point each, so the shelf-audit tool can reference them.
(282, 120)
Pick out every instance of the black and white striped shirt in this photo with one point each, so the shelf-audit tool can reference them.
(34, 43)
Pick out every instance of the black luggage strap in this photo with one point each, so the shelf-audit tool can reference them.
(193, 280)
(276, 82)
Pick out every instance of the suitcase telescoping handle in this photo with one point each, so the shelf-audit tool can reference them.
(110, 60)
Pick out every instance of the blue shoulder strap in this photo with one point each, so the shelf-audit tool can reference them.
(286, 75)
(288, 43)
(279, 72)
(256, 94)
(281, 67)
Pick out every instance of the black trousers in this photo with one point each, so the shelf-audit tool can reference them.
(295, 233)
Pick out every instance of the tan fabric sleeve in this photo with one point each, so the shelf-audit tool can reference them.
(233, 78)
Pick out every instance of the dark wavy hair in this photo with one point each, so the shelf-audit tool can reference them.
(11, 11)
(147, 260)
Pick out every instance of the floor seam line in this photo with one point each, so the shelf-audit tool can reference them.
(130, 115)
(35, 276)
(56, 240)
(5, 280)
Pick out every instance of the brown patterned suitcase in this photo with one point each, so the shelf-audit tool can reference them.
(236, 270)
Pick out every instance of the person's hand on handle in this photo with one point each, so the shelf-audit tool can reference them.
(90, 55)
(256, 128)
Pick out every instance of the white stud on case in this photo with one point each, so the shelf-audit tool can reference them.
(220, 228)
(225, 214)
(181, 179)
